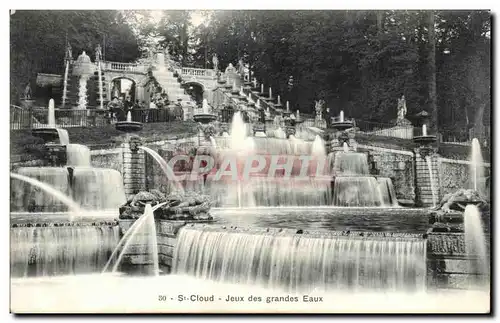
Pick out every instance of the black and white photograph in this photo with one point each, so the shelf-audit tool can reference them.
(250, 161)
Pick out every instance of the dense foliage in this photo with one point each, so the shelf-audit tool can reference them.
(363, 61)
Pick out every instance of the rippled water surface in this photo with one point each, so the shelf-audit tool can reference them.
(328, 218)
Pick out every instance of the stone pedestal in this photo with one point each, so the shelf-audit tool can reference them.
(27, 104)
(134, 177)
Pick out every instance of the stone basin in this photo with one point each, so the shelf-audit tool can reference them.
(342, 125)
(128, 126)
(47, 134)
(204, 117)
(425, 139)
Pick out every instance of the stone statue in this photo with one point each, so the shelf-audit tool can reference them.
(215, 60)
(319, 109)
(241, 67)
(27, 92)
(401, 109)
(69, 53)
(98, 53)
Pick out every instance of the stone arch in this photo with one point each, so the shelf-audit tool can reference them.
(197, 90)
(201, 85)
(135, 84)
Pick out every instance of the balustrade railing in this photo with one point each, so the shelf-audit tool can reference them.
(124, 67)
(385, 129)
(197, 72)
(67, 118)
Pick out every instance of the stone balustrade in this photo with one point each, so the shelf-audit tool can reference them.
(124, 67)
(197, 72)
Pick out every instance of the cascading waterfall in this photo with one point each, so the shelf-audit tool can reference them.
(82, 92)
(213, 143)
(268, 192)
(262, 189)
(41, 189)
(351, 164)
(91, 188)
(477, 168)
(357, 191)
(40, 246)
(77, 155)
(388, 194)
(98, 188)
(354, 187)
(63, 136)
(280, 133)
(431, 178)
(301, 263)
(318, 148)
(63, 250)
(142, 233)
(475, 241)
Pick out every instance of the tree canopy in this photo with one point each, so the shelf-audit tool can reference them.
(363, 61)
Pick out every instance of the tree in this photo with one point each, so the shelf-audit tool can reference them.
(432, 71)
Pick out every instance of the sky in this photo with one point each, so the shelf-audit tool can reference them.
(197, 17)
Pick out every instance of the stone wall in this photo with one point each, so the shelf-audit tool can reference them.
(448, 265)
(133, 168)
(107, 158)
(455, 174)
(155, 178)
(138, 256)
(399, 165)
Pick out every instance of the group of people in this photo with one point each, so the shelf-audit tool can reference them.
(159, 109)
(159, 100)
(119, 108)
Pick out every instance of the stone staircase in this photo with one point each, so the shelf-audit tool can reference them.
(174, 90)
(427, 185)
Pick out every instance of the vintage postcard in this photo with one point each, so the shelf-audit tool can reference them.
(250, 161)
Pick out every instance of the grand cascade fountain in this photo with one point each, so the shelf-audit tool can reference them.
(307, 218)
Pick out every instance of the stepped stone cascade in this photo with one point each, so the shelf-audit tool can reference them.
(427, 176)
(170, 84)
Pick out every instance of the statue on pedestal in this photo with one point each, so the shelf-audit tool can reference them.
(319, 109)
(215, 60)
(241, 67)
(98, 53)
(401, 110)
(27, 92)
